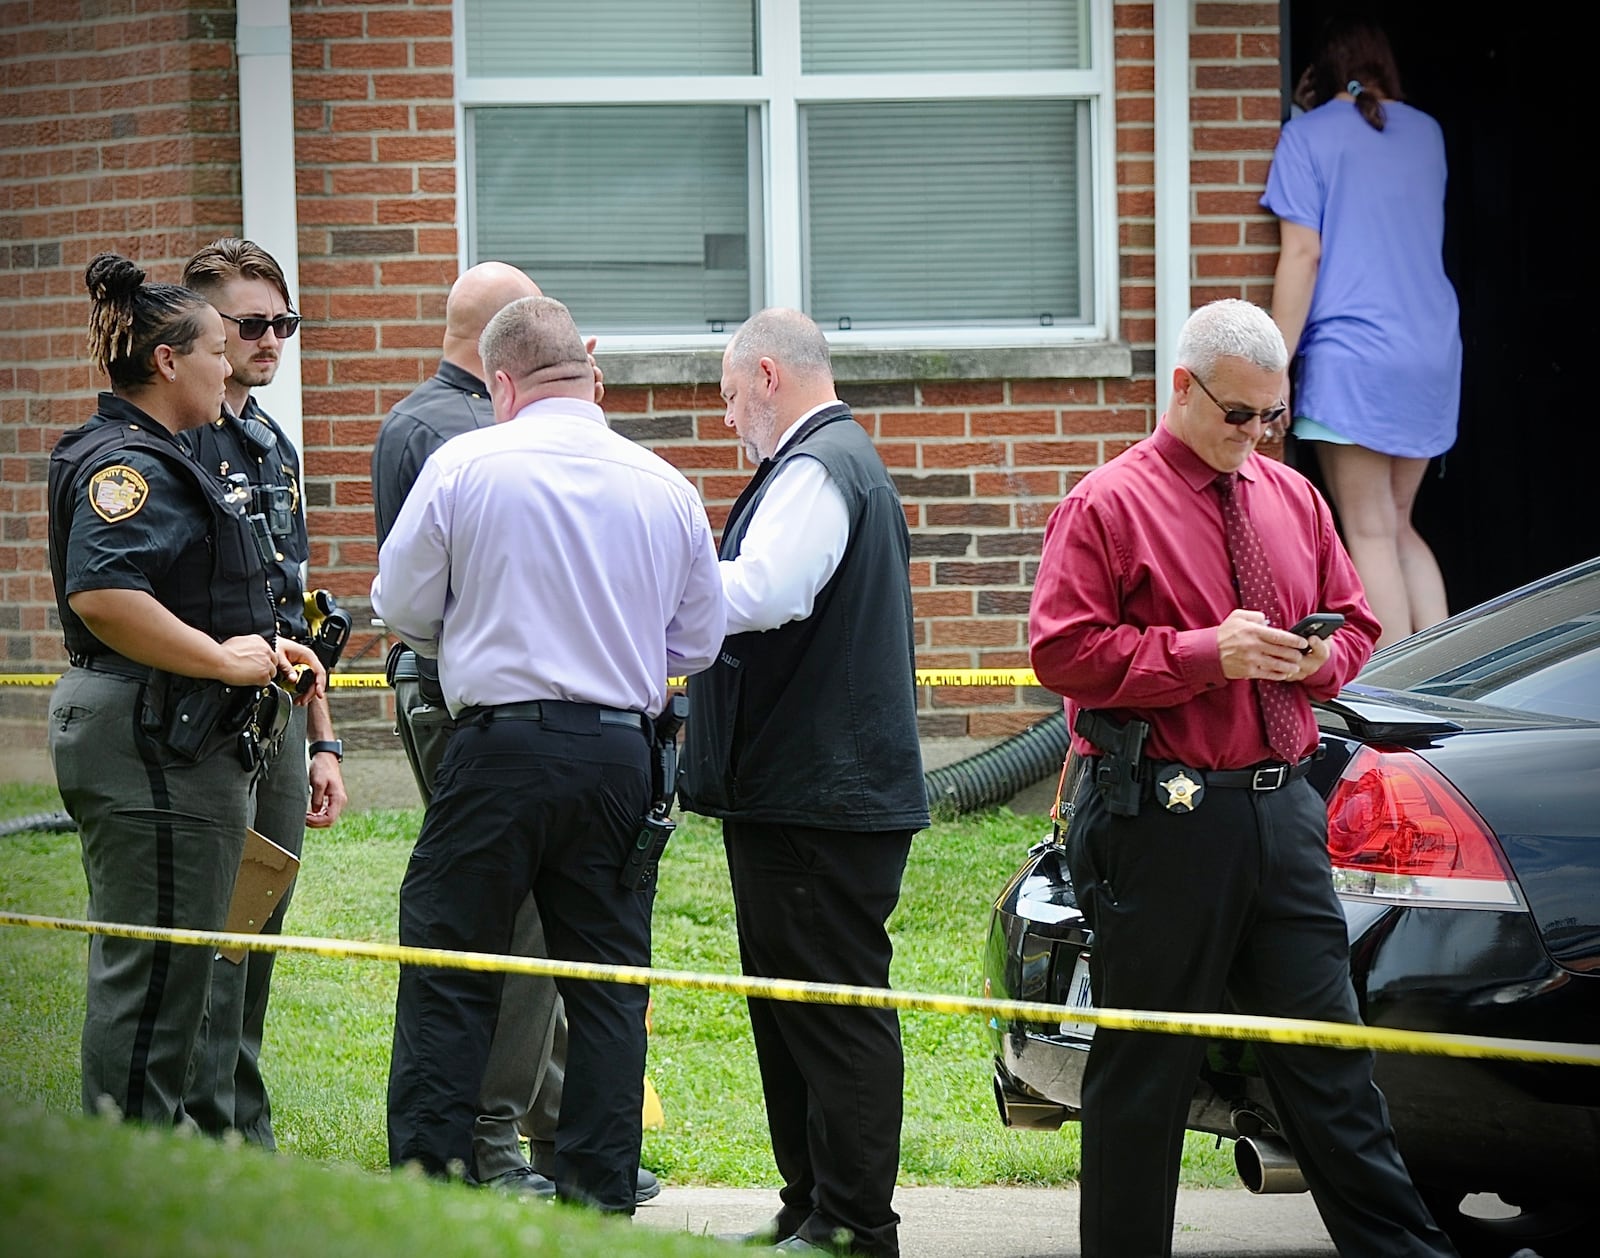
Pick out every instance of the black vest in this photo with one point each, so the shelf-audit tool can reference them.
(223, 592)
(814, 723)
(253, 443)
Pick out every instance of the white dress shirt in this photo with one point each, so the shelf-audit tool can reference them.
(551, 558)
(793, 546)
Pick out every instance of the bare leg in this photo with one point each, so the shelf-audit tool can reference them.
(1360, 482)
(1424, 582)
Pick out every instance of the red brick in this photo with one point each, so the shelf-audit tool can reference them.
(1055, 453)
(1017, 485)
(964, 393)
(698, 456)
(409, 23)
(1236, 14)
(942, 603)
(1004, 423)
(368, 55)
(964, 454)
(1068, 391)
(413, 86)
(975, 632)
(921, 424)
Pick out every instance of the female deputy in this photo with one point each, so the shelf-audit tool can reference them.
(154, 729)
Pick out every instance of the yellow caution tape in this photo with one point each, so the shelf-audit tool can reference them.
(1211, 1026)
(375, 681)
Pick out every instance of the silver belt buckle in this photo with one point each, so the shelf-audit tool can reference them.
(1270, 778)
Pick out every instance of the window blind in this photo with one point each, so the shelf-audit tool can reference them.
(637, 217)
(944, 212)
(610, 37)
(871, 36)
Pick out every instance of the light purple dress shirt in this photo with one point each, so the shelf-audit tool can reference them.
(548, 557)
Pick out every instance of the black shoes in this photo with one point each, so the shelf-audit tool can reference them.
(524, 1181)
(648, 1187)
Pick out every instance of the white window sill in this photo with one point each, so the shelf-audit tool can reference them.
(1080, 360)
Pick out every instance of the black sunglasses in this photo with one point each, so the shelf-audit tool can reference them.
(1239, 417)
(254, 327)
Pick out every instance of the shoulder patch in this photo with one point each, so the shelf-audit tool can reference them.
(116, 493)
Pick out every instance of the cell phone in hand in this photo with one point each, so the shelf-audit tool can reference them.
(1317, 625)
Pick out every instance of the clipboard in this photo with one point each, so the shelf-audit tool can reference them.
(266, 871)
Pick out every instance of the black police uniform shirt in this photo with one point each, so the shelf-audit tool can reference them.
(139, 523)
(224, 447)
(450, 402)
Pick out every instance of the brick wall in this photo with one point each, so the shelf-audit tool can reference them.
(121, 131)
(117, 131)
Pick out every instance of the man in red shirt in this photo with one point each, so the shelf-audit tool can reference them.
(1168, 579)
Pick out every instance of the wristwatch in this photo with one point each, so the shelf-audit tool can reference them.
(335, 746)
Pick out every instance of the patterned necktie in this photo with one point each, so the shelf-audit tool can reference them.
(1252, 577)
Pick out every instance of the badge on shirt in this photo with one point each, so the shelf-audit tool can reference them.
(1177, 791)
(116, 493)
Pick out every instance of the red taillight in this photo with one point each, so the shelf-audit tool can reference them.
(1398, 828)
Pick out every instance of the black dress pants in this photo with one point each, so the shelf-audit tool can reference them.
(812, 905)
(1234, 903)
(554, 806)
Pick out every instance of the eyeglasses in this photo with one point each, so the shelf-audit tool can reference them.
(254, 327)
(1237, 416)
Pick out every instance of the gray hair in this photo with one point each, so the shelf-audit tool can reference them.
(528, 335)
(787, 337)
(1230, 328)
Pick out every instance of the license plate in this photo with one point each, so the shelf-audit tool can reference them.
(1079, 996)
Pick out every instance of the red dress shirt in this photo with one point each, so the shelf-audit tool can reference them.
(1135, 578)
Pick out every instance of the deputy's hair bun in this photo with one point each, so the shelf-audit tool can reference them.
(112, 278)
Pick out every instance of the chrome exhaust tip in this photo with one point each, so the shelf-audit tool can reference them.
(1028, 1113)
(1266, 1164)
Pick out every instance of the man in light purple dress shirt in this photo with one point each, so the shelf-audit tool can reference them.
(560, 574)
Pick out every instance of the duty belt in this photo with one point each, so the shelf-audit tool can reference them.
(1179, 788)
(1266, 777)
(110, 662)
(539, 710)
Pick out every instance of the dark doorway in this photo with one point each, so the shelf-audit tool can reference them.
(1518, 496)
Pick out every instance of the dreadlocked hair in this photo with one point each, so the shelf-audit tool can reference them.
(128, 318)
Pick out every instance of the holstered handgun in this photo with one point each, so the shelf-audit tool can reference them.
(639, 869)
(1121, 755)
(329, 629)
(193, 717)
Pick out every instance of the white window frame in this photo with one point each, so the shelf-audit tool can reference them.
(777, 94)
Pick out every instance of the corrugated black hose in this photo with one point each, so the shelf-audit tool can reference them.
(993, 776)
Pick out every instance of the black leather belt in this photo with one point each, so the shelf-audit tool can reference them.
(117, 665)
(1264, 777)
(538, 710)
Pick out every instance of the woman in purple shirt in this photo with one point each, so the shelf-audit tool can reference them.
(1361, 297)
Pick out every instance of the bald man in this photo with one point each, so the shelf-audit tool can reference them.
(522, 1084)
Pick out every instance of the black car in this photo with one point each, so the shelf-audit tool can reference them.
(1462, 775)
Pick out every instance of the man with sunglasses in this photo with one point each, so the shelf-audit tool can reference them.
(248, 289)
(1168, 583)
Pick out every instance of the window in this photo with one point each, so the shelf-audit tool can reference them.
(913, 172)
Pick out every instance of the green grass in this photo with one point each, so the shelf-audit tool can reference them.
(72, 1186)
(328, 1037)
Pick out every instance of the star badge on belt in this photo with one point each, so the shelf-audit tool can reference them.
(1178, 791)
(116, 493)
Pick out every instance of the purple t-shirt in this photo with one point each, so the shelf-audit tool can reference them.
(1381, 350)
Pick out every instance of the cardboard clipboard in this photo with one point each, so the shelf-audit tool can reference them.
(266, 871)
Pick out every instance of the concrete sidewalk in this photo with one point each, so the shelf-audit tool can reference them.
(1021, 1222)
